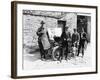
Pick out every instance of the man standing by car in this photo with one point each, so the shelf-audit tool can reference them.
(66, 37)
(43, 40)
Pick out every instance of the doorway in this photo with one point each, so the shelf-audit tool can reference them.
(85, 23)
(61, 24)
(81, 23)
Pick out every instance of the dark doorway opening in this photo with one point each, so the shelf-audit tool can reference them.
(81, 23)
(85, 23)
(62, 24)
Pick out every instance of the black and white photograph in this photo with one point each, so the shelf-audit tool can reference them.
(55, 39)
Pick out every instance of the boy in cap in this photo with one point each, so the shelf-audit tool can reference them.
(75, 39)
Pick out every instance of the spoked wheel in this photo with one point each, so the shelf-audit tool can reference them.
(56, 53)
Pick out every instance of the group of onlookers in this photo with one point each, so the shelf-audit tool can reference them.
(68, 41)
(75, 41)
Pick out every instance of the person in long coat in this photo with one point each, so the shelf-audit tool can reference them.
(43, 40)
(66, 38)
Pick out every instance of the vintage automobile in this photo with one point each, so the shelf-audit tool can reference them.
(56, 49)
(56, 44)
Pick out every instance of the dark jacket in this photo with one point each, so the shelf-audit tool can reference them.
(83, 37)
(65, 38)
(75, 37)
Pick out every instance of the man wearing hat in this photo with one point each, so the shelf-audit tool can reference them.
(43, 40)
(66, 37)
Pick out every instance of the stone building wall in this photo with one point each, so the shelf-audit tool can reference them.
(71, 21)
(30, 26)
(31, 23)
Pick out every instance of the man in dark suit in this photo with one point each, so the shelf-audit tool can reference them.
(66, 37)
(83, 39)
